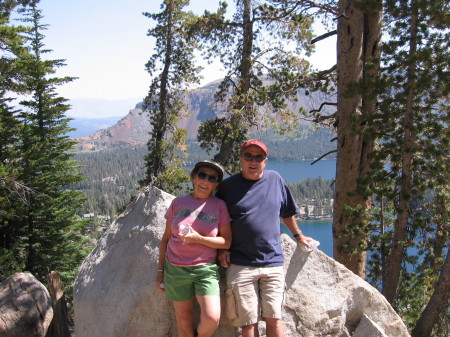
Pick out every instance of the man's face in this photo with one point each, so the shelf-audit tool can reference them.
(252, 169)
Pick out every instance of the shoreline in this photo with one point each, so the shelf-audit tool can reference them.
(328, 218)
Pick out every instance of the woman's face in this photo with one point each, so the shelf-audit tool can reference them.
(205, 182)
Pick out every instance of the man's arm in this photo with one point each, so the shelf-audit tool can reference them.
(291, 224)
(223, 255)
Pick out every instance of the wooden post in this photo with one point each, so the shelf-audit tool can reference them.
(59, 327)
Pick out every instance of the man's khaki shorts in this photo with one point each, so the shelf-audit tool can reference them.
(254, 292)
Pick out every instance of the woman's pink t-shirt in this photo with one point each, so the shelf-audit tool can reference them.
(205, 216)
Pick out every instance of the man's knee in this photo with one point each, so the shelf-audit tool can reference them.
(274, 327)
(273, 321)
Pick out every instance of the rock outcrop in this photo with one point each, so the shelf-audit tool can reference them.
(25, 307)
(114, 292)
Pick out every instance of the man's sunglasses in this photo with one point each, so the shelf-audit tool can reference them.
(248, 157)
(203, 176)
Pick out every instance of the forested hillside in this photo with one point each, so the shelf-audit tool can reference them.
(388, 95)
(112, 176)
(111, 179)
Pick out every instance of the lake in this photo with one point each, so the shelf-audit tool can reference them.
(320, 230)
(298, 170)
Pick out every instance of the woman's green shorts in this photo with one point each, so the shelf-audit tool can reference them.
(182, 283)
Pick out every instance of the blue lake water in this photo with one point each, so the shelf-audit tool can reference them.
(298, 170)
(320, 230)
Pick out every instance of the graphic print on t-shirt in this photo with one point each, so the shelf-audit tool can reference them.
(196, 214)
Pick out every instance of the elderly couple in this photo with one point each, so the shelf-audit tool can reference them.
(239, 226)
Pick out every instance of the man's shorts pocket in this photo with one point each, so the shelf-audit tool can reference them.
(230, 304)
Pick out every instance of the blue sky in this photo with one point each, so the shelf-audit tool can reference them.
(105, 45)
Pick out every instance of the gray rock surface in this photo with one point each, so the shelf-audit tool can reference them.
(25, 307)
(114, 292)
(368, 328)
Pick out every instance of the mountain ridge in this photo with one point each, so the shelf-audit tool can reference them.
(134, 128)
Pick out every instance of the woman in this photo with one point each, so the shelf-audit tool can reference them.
(197, 225)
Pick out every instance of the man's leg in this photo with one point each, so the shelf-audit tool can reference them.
(271, 287)
(242, 296)
(274, 327)
(250, 330)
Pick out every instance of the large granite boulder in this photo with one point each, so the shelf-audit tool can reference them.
(25, 307)
(114, 292)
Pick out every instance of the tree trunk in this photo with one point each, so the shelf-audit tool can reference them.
(430, 315)
(392, 276)
(241, 115)
(59, 327)
(232, 136)
(358, 60)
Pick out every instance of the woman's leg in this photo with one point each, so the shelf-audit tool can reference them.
(209, 315)
(184, 312)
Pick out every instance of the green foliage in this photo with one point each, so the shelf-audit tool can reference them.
(111, 179)
(173, 69)
(305, 144)
(262, 74)
(314, 191)
(174, 177)
(39, 228)
(410, 173)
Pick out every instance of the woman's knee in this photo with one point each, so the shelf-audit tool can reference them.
(211, 318)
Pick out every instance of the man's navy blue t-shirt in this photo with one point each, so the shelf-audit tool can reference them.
(255, 208)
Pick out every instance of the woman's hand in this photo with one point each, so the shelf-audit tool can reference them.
(219, 242)
(192, 236)
(159, 282)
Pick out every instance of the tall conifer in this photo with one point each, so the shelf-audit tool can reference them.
(173, 69)
(260, 48)
(11, 190)
(49, 227)
(410, 164)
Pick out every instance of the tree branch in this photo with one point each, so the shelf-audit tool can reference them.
(321, 106)
(324, 155)
(320, 74)
(322, 119)
(324, 36)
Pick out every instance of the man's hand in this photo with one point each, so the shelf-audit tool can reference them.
(304, 240)
(223, 255)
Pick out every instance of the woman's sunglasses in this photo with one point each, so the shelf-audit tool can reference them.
(203, 176)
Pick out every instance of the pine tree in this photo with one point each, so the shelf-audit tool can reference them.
(49, 228)
(358, 40)
(262, 74)
(174, 70)
(11, 190)
(410, 164)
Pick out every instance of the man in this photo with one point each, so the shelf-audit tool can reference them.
(256, 199)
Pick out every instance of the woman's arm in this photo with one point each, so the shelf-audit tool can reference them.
(162, 256)
(221, 241)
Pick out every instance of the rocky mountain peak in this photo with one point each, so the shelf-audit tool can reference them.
(133, 129)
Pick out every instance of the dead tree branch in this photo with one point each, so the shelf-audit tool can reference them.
(322, 156)
(324, 36)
